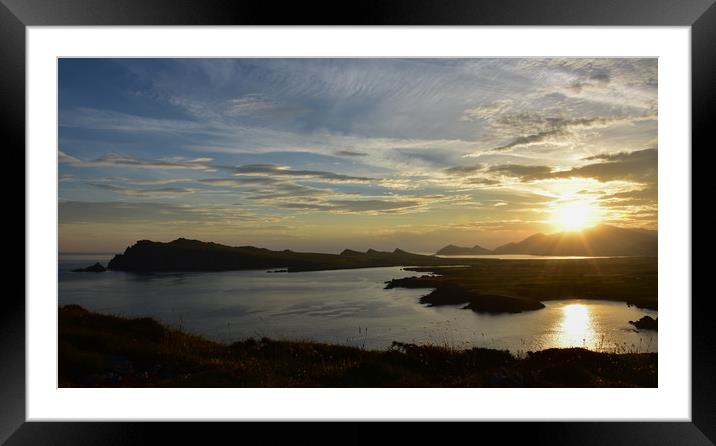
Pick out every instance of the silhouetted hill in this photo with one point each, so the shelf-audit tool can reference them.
(194, 255)
(603, 240)
(452, 250)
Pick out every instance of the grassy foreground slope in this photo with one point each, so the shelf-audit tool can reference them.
(108, 351)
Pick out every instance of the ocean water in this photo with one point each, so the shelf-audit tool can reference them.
(348, 307)
(520, 257)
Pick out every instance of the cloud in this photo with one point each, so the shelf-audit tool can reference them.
(462, 171)
(357, 206)
(285, 171)
(483, 181)
(239, 182)
(638, 166)
(299, 197)
(153, 193)
(525, 173)
(557, 128)
(372, 205)
(117, 212)
(64, 158)
(207, 165)
(636, 155)
(149, 182)
(113, 159)
(248, 104)
(645, 196)
(602, 76)
(176, 163)
(537, 138)
(623, 71)
(288, 190)
(309, 138)
(489, 111)
(599, 78)
(350, 153)
(650, 193)
(96, 119)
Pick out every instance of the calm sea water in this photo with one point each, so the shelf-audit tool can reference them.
(345, 306)
(518, 257)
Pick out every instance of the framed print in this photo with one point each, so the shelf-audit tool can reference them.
(478, 222)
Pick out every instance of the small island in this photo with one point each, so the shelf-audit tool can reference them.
(646, 323)
(96, 268)
(450, 293)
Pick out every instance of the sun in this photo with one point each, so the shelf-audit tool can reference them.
(575, 215)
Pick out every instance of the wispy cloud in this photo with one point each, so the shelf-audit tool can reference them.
(119, 212)
(273, 170)
(202, 163)
(112, 159)
(526, 173)
(464, 170)
(98, 119)
(152, 193)
(248, 105)
(350, 153)
(336, 143)
(557, 130)
(638, 166)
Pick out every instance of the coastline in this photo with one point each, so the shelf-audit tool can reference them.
(98, 350)
(510, 286)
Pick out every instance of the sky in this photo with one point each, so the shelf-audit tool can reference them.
(326, 154)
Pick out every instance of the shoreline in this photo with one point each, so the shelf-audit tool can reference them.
(98, 350)
(521, 285)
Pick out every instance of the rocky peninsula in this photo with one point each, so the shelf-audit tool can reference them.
(194, 255)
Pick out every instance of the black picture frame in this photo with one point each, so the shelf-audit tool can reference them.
(16, 15)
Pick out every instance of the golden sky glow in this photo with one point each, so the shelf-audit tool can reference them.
(575, 215)
(327, 154)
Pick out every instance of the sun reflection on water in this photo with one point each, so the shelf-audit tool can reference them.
(577, 327)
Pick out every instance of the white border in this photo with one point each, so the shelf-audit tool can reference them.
(670, 401)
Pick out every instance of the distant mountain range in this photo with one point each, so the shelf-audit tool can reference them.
(194, 255)
(602, 240)
(452, 250)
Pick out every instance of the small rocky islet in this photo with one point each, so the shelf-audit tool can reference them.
(646, 323)
(96, 268)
